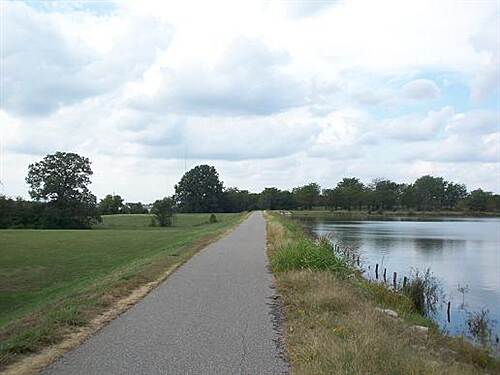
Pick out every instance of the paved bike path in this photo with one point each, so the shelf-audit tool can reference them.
(214, 315)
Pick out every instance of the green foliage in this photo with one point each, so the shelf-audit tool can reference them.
(275, 199)
(163, 209)
(110, 205)
(134, 208)
(62, 180)
(329, 198)
(424, 290)
(480, 325)
(18, 213)
(429, 192)
(384, 194)
(307, 195)
(200, 190)
(454, 193)
(305, 254)
(212, 219)
(60, 177)
(478, 200)
(349, 193)
(236, 200)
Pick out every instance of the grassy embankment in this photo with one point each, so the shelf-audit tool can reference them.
(332, 326)
(55, 282)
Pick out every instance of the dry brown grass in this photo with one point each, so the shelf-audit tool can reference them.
(331, 326)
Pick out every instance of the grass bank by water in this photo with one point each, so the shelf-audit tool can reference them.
(332, 324)
(53, 282)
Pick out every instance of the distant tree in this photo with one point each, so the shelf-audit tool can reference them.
(285, 200)
(477, 200)
(384, 194)
(268, 199)
(408, 199)
(453, 194)
(163, 209)
(493, 203)
(429, 192)
(307, 195)
(200, 190)
(329, 199)
(253, 201)
(350, 193)
(7, 211)
(111, 205)
(235, 200)
(62, 180)
(134, 208)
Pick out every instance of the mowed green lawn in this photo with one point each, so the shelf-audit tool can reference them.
(39, 268)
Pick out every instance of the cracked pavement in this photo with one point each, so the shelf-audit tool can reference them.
(212, 316)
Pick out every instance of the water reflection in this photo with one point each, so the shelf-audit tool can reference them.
(458, 251)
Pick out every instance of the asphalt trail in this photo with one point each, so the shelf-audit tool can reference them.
(214, 315)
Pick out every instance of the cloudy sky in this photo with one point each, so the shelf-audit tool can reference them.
(272, 93)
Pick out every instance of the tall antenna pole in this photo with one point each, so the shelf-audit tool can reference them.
(185, 155)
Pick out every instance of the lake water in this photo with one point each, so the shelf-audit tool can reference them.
(463, 252)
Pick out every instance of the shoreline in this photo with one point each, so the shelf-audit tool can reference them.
(338, 320)
(392, 214)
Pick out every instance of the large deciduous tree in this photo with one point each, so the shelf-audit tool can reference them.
(62, 180)
(200, 190)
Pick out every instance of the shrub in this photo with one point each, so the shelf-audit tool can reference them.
(424, 290)
(213, 219)
(163, 209)
(479, 324)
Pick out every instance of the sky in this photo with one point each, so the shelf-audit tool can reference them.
(271, 93)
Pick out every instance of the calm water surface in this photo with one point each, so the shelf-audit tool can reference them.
(462, 252)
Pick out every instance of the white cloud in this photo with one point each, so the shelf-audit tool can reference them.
(247, 79)
(486, 79)
(457, 148)
(421, 89)
(477, 121)
(306, 8)
(47, 64)
(271, 93)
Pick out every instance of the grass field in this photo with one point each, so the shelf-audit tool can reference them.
(332, 325)
(51, 280)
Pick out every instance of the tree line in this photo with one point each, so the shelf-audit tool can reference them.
(61, 198)
(200, 190)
